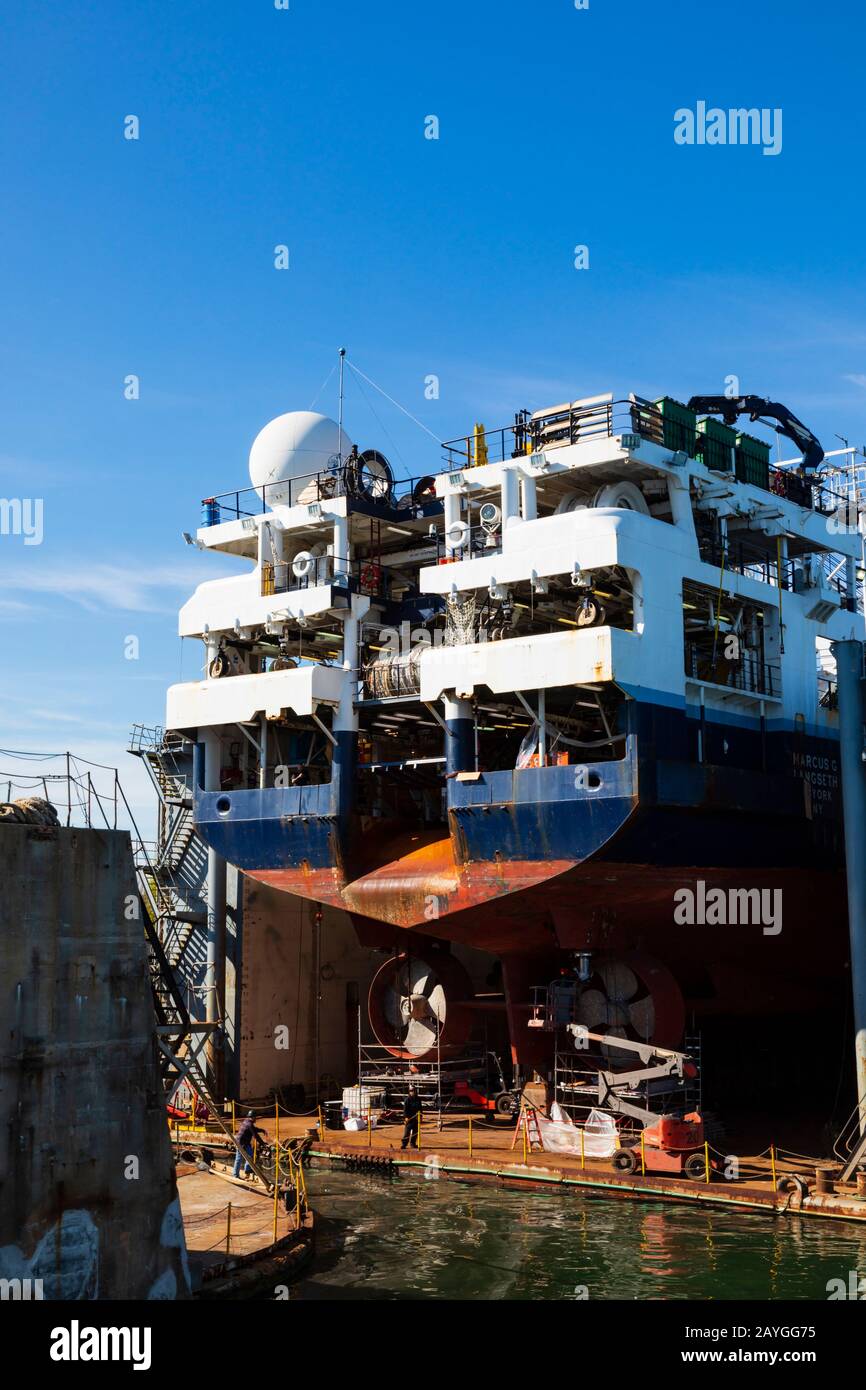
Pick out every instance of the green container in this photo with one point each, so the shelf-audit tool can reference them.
(716, 443)
(753, 461)
(678, 425)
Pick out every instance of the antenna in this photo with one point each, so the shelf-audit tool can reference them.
(340, 416)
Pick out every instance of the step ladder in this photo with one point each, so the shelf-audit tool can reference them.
(527, 1121)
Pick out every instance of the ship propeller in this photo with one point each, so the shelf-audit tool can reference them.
(414, 1005)
(632, 997)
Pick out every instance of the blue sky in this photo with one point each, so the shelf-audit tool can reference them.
(451, 257)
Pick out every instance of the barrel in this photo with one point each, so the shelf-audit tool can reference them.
(210, 512)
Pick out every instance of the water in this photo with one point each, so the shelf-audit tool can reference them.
(408, 1237)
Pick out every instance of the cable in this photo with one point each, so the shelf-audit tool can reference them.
(382, 427)
(406, 412)
(322, 387)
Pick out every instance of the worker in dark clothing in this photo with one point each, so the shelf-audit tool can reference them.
(412, 1115)
(245, 1137)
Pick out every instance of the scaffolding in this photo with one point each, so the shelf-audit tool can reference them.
(443, 1081)
(578, 1062)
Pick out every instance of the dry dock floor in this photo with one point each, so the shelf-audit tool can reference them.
(446, 1152)
(234, 1238)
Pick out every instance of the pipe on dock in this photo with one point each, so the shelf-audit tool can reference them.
(849, 676)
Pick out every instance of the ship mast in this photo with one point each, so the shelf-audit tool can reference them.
(340, 413)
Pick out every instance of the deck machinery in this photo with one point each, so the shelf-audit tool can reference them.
(571, 697)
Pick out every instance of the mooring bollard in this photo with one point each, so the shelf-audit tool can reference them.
(823, 1181)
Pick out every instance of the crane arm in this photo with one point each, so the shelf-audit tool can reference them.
(731, 407)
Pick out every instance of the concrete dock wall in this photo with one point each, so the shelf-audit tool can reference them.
(296, 1003)
(88, 1201)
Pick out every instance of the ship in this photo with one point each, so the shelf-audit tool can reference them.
(569, 701)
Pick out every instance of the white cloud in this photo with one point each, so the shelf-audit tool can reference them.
(141, 588)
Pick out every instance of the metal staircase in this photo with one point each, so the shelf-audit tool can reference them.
(177, 873)
(171, 882)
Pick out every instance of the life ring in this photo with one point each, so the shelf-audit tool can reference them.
(457, 535)
(303, 564)
(219, 666)
(371, 575)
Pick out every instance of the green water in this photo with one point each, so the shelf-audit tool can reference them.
(410, 1237)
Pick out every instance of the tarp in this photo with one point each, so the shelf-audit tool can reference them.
(560, 1135)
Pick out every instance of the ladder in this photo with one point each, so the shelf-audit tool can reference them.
(179, 1040)
(528, 1120)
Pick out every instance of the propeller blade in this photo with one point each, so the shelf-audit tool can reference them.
(643, 1017)
(620, 981)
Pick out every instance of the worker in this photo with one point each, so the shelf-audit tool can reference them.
(245, 1137)
(412, 1115)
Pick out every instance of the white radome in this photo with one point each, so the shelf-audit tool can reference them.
(294, 445)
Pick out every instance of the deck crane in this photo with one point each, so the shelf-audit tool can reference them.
(732, 407)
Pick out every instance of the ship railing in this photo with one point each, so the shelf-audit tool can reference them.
(367, 577)
(746, 673)
(849, 1145)
(581, 421)
(408, 497)
(477, 541)
(743, 555)
(153, 738)
(568, 424)
(746, 557)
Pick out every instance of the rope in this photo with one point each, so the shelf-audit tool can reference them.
(406, 412)
(322, 387)
(373, 411)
